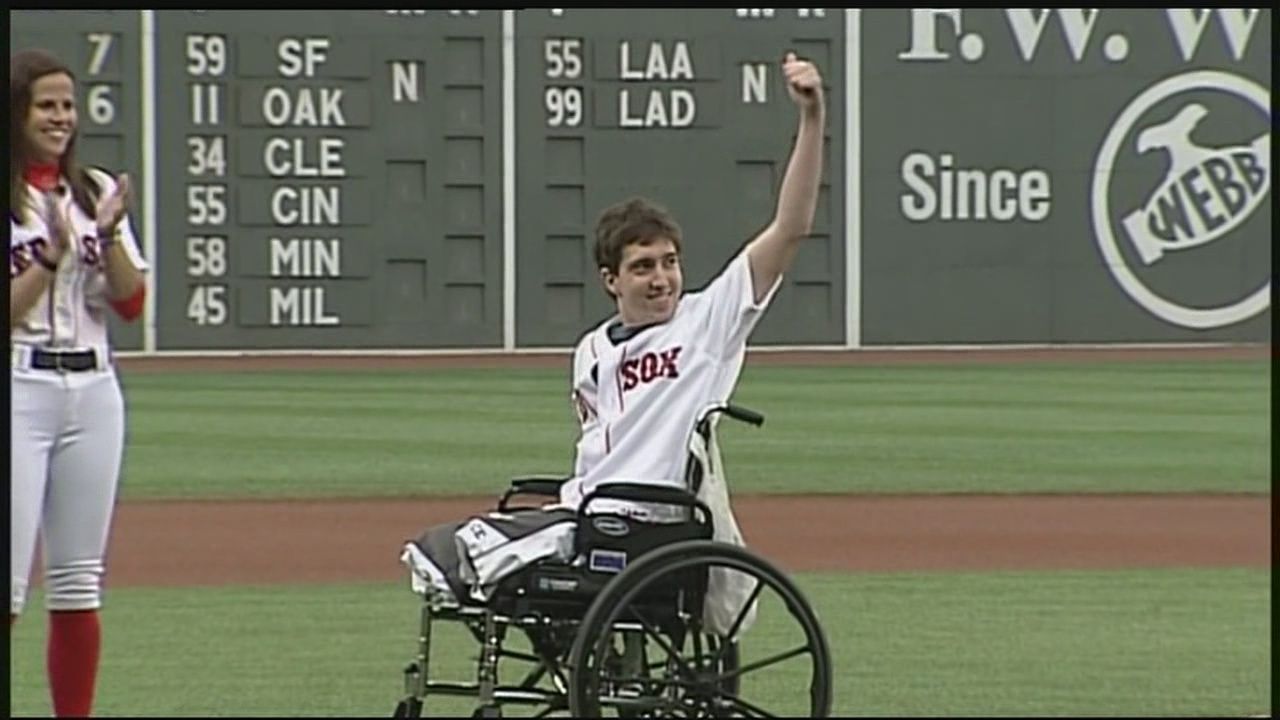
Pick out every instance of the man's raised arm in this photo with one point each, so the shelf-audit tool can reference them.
(772, 251)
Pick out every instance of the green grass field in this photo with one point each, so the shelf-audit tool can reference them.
(1062, 643)
(1113, 427)
(1190, 642)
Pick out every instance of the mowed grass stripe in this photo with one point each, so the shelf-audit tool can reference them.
(1142, 427)
(1079, 643)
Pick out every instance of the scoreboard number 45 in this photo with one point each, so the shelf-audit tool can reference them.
(207, 305)
(207, 258)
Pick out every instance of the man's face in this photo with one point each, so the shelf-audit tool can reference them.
(648, 283)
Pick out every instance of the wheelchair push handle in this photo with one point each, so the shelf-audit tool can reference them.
(659, 494)
(737, 412)
(746, 415)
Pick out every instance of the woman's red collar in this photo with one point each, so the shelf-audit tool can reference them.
(43, 176)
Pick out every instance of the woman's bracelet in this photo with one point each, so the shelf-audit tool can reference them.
(106, 239)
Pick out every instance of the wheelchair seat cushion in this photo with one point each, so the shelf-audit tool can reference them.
(471, 561)
(466, 560)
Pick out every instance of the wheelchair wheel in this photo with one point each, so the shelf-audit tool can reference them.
(782, 667)
(634, 672)
(408, 708)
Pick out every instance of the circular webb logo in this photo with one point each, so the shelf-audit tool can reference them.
(1181, 199)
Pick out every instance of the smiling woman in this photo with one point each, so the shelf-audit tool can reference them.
(72, 254)
(52, 117)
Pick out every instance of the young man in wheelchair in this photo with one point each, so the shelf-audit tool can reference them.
(623, 549)
(641, 378)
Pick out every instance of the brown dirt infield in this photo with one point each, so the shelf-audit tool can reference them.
(308, 541)
(305, 541)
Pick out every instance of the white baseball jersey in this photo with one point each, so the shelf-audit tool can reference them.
(73, 312)
(637, 399)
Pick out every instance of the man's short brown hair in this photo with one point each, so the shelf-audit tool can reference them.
(635, 220)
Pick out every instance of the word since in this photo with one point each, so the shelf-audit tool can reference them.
(937, 191)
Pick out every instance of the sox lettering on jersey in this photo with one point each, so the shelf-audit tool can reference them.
(649, 367)
(90, 252)
(20, 255)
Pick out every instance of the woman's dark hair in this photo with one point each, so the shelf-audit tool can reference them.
(25, 68)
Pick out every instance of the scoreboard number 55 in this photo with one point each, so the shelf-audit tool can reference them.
(563, 103)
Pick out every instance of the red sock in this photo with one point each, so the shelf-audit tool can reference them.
(74, 638)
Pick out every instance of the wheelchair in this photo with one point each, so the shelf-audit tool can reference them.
(621, 628)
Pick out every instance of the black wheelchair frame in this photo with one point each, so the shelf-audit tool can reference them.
(573, 617)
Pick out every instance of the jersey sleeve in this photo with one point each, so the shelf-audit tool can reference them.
(27, 223)
(729, 306)
(124, 231)
(129, 242)
(582, 381)
(19, 256)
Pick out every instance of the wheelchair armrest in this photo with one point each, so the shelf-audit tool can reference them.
(637, 492)
(544, 485)
(539, 484)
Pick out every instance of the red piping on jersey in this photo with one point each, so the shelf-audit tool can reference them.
(78, 279)
(131, 307)
(53, 335)
(617, 379)
(43, 176)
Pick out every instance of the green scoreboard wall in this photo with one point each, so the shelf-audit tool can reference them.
(387, 179)
(687, 108)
